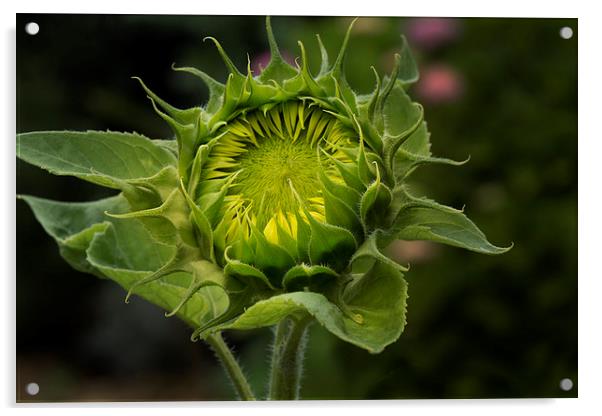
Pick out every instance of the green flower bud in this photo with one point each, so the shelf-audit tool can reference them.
(277, 198)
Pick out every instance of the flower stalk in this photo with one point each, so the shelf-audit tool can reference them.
(290, 338)
(231, 367)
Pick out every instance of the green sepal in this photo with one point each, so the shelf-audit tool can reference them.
(374, 97)
(204, 274)
(245, 273)
(176, 263)
(364, 169)
(150, 192)
(216, 89)
(288, 242)
(414, 161)
(242, 249)
(188, 116)
(390, 82)
(227, 61)
(348, 173)
(260, 93)
(199, 160)
(340, 214)
(417, 144)
(345, 98)
(419, 141)
(303, 238)
(277, 69)
(330, 245)
(348, 195)
(238, 302)
(334, 82)
(408, 70)
(195, 286)
(324, 66)
(374, 203)
(174, 210)
(187, 136)
(202, 225)
(370, 252)
(232, 94)
(402, 117)
(271, 259)
(423, 219)
(211, 203)
(311, 86)
(312, 277)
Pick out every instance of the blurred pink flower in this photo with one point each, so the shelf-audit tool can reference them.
(430, 32)
(262, 60)
(440, 84)
(404, 252)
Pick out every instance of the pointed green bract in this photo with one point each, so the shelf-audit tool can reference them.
(425, 220)
(276, 198)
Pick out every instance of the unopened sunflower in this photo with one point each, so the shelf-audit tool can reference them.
(275, 200)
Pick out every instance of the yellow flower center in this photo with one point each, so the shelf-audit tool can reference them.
(273, 160)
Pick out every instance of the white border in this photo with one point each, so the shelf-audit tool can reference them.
(590, 147)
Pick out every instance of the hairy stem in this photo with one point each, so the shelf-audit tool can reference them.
(231, 366)
(287, 358)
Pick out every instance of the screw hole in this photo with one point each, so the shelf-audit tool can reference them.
(32, 28)
(566, 32)
(32, 389)
(566, 384)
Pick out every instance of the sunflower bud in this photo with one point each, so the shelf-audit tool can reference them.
(277, 199)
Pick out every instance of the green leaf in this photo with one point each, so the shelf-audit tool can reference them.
(74, 224)
(104, 158)
(426, 220)
(126, 253)
(377, 301)
(123, 251)
(171, 145)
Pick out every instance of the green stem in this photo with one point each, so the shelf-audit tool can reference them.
(225, 356)
(287, 358)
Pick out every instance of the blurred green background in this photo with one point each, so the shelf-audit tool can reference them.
(503, 91)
